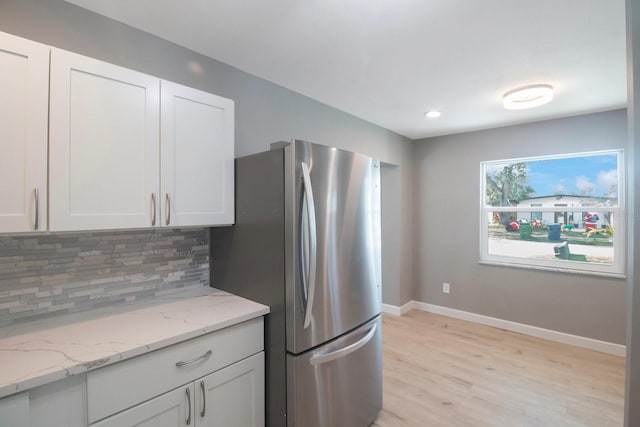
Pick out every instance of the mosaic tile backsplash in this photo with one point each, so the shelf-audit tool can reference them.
(48, 275)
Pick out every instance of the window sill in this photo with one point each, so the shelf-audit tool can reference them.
(558, 269)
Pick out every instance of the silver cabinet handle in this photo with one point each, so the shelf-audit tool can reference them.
(189, 405)
(168, 206)
(204, 399)
(328, 357)
(153, 205)
(311, 217)
(188, 362)
(36, 196)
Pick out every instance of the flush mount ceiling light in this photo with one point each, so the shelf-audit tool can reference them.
(432, 114)
(527, 97)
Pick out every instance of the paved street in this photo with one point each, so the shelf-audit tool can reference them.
(527, 249)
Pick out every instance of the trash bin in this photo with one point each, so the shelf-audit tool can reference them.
(525, 231)
(562, 250)
(554, 231)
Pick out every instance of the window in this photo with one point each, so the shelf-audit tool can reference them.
(536, 216)
(561, 213)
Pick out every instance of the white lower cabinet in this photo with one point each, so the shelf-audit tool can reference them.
(233, 396)
(212, 380)
(61, 403)
(215, 379)
(14, 410)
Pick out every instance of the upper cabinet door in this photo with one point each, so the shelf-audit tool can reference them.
(104, 145)
(24, 91)
(197, 144)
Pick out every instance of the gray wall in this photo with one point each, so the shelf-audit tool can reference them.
(391, 233)
(632, 395)
(265, 112)
(447, 174)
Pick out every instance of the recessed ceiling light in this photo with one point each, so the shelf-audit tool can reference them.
(528, 97)
(432, 114)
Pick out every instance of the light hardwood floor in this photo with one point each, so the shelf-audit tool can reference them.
(440, 371)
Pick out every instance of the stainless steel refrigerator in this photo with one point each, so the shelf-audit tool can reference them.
(306, 241)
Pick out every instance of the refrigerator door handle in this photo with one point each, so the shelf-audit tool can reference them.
(328, 357)
(311, 217)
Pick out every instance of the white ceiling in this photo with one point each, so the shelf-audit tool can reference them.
(389, 61)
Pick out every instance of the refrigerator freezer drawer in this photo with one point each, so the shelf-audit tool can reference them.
(338, 384)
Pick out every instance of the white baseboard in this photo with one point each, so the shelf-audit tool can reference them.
(398, 311)
(534, 331)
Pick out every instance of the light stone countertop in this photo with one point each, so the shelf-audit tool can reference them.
(41, 352)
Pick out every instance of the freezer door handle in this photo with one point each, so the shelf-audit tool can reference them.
(328, 357)
(311, 219)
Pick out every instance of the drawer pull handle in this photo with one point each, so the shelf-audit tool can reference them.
(204, 399)
(188, 362)
(189, 405)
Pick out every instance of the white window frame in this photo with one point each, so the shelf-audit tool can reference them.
(616, 269)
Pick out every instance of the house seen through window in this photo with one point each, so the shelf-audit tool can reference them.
(554, 212)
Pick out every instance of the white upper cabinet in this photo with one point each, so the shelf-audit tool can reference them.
(24, 89)
(125, 150)
(103, 145)
(197, 134)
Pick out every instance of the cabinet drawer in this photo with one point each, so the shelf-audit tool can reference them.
(114, 388)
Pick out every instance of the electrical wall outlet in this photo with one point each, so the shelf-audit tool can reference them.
(445, 287)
